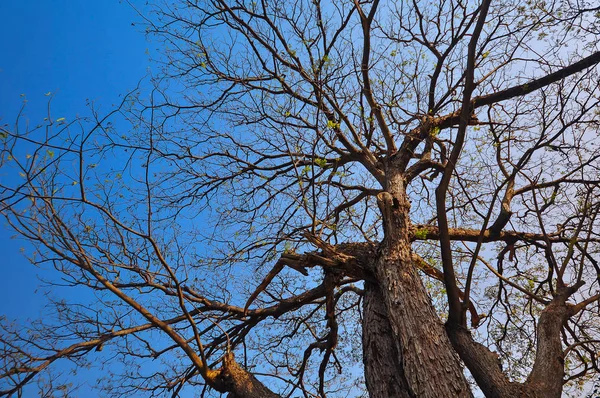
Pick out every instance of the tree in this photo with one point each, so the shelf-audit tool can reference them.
(416, 182)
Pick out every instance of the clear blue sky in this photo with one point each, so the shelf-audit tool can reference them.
(77, 50)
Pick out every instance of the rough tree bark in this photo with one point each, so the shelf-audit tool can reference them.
(238, 382)
(420, 340)
(546, 377)
(382, 361)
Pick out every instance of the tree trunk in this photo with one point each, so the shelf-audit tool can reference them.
(548, 371)
(383, 369)
(485, 366)
(431, 367)
(546, 377)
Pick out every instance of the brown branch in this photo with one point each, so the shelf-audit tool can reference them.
(524, 89)
(414, 137)
(581, 305)
(435, 273)
(350, 259)
(455, 314)
(73, 349)
(431, 232)
(366, 21)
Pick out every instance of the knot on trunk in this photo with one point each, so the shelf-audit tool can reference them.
(385, 201)
(238, 382)
(394, 212)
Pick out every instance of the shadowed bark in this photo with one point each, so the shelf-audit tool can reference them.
(383, 368)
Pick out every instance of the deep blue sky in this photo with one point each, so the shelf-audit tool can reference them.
(78, 50)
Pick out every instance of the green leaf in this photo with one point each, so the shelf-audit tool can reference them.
(332, 125)
(322, 163)
(421, 234)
